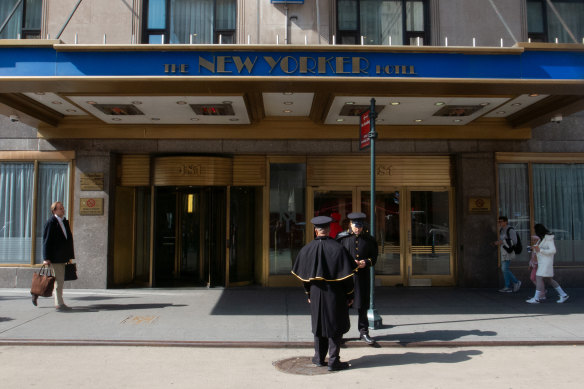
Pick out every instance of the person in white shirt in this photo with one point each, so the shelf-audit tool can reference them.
(545, 250)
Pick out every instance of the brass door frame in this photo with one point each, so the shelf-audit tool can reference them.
(406, 258)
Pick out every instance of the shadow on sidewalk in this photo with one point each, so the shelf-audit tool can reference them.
(119, 307)
(409, 358)
(392, 301)
(442, 335)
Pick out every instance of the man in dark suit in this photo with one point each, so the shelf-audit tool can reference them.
(57, 250)
(326, 271)
(363, 249)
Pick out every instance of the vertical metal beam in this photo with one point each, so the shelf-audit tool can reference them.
(68, 19)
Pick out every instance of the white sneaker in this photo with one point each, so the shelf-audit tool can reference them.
(516, 286)
(532, 300)
(563, 298)
(506, 290)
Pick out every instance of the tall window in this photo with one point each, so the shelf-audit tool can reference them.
(287, 215)
(379, 22)
(561, 19)
(189, 21)
(514, 200)
(17, 206)
(558, 204)
(24, 21)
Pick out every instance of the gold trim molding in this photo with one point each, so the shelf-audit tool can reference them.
(196, 171)
(37, 155)
(540, 157)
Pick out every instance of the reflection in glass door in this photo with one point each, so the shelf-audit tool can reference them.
(336, 204)
(387, 230)
(430, 248)
(413, 230)
(190, 237)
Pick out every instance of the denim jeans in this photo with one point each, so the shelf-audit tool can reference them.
(507, 275)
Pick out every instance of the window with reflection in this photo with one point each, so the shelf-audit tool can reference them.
(514, 201)
(24, 21)
(555, 19)
(558, 204)
(387, 229)
(189, 21)
(337, 205)
(430, 233)
(381, 22)
(17, 206)
(287, 215)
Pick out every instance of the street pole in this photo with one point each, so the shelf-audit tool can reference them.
(375, 321)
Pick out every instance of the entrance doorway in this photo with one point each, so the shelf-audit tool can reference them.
(413, 228)
(189, 244)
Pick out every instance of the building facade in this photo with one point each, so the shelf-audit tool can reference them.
(192, 141)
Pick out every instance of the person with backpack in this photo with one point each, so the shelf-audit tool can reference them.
(509, 244)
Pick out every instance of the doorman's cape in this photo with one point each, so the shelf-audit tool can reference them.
(323, 259)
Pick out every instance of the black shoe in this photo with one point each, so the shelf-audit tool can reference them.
(367, 339)
(339, 366)
(34, 299)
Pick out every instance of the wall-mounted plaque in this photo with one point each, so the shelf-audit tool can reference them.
(91, 206)
(91, 181)
(479, 205)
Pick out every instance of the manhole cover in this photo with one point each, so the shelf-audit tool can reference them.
(300, 365)
(140, 320)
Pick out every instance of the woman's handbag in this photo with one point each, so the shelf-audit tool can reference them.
(43, 282)
(70, 271)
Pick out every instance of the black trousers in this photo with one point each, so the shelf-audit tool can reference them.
(363, 321)
(322, 345)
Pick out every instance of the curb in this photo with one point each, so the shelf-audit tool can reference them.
(247, 344)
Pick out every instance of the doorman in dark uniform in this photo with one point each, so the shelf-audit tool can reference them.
(326, 271)
(363, 249)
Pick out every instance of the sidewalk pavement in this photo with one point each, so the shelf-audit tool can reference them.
(280, 318)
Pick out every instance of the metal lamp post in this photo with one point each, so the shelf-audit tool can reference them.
(375, 320)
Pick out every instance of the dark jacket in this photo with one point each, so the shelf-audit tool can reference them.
(57, 248)
(363, 246)
(326, 271)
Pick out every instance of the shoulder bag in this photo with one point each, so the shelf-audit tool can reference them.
(70, 271)
(43, 282)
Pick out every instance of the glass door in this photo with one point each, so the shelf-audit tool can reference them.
(430, 252)
(413, 229)
(334, 203)
(388, 233)
(190, 237)
(165, 240)
(244, 233)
